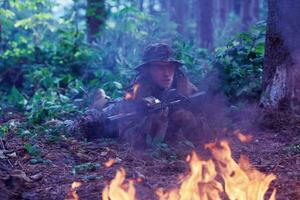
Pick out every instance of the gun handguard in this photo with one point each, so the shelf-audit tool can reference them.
(151, 104)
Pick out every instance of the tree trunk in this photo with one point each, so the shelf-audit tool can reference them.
(141, 5)
(95, 18)
(205, 25)
(222, 13)
(151, 7)
(281, 78)
(256, 9)
(0, 34)
(236, 6)
(164, 5)
(246, 18)
(178, 13)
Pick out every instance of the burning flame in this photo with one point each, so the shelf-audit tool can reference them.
(132, 94)
(241, 181)
(72, 195)
(199, 184)
(243, 137)
(118, 190)
(110, 162)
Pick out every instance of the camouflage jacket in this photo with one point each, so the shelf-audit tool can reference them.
(145, 128)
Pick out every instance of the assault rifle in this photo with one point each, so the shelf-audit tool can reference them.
(152, 105)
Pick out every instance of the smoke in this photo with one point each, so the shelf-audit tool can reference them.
(221, 114)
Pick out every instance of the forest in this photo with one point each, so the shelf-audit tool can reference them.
(233, 66)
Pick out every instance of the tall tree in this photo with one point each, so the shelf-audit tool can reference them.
(281, 78)
(141, 4)
(0, 34)
(236, 6)
(151, 6)
(205, 23)
(246, 17)
(165, 5)
(95, 18)
(223, 7)
(178, 13)
(256, 9)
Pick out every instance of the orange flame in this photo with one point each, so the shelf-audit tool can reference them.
(199, 184)
(241, 180)
(72, 195)
(110, 162)
(243, 137)
(117, 190)
(132, 94)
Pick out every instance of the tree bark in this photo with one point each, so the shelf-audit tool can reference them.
(141, 5)
(95, 18)
(256, 9)
(236, 6)
(281, 78)
(0, 34)
(151, 7)
(205, 25)
(178, 13)
(222, 13)
(165, 5)
(246, 18)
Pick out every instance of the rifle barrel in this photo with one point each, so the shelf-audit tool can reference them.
(192, 99)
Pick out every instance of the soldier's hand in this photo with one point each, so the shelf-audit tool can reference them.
(160, 116)
(100, 99)
(183, 117)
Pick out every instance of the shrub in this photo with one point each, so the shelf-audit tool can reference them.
(240, 64)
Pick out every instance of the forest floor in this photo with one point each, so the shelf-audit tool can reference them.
(59, 164)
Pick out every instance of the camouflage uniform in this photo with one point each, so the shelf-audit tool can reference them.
(165, 125)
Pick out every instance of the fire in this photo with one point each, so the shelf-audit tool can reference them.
(118, 190)
(72, 195)
(199, 184)
(243, 137)
(110, 162)
(207, 180)
(132, 94)
(242, 180)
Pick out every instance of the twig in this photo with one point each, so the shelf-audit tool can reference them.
(11, 165)
(4, 148)
(284, 159)
(2, 143)
(18, 162)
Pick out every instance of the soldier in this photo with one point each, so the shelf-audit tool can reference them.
(157, 77)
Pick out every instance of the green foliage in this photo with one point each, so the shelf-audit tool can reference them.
(33, 150)
(85, 167)
(197, 61)
(49, 71)
(240, 63)
(4, 128)
(16, 98)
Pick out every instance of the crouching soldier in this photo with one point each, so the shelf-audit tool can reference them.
(159, 79)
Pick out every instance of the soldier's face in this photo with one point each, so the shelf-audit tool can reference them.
(162, 74)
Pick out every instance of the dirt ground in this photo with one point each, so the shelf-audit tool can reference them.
(60, 163)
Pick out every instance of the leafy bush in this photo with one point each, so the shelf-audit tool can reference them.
(48, 70)
(197, 61)
(240, 63)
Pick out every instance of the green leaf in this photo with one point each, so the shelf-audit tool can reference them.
(16, 98)
(118, 85)
(7, 13)
(32, 149)
(260, 49)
